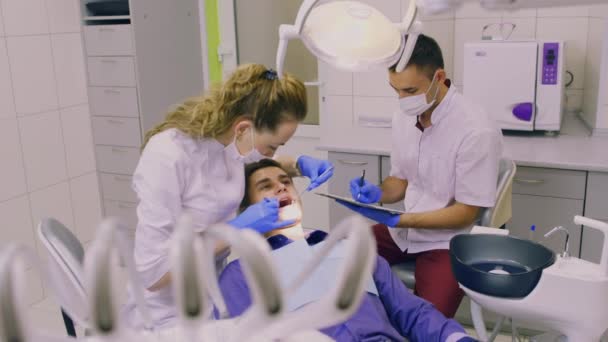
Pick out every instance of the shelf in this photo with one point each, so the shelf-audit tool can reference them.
(110, 17)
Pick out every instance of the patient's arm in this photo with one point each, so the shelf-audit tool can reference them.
(413, 317)
(234, 289)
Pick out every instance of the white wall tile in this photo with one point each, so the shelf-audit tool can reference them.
(12, 182)
(520, 13)
(390, 8)
(525, 27)
(33, 78)
(473, 9)
(87, 205)
(64, 16)
(443, 32)
(24, 17)
(564, 11)
(426, 17)
(598, 11)
(55, 202)
(1, 22)
(43, 150)
(7, 104)
(465, 30)
(69, 69)
(33, 283)
(372, 83)
(336, 82)
(16, 222)
(592, 70)
(574, 32)
(574, 100)
(77, 136)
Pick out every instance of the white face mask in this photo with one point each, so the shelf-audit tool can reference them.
(253, 156)
(416, 104)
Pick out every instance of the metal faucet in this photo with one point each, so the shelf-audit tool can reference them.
(565, 253)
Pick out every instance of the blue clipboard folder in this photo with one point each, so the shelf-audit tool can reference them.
(359, 204)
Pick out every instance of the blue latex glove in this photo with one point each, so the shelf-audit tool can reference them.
(318, 170)
(261, 217)
(366, 193)
(379, 216)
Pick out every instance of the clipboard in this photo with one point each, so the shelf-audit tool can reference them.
(359, 204)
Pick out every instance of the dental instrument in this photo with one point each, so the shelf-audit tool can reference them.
(361, 183)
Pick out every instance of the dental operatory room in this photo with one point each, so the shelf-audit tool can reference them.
(304, 170)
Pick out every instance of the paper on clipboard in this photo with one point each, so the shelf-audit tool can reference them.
(359, 204)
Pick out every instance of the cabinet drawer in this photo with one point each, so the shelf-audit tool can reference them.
(348, 166)
(111, 71)
(597, 195)
(125, 211)
(117, 187)
(550, 182)
(108, 40)
(113, 101)
(116, 131)
(121, 160)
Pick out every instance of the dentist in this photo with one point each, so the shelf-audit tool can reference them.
(444, 165)
(194, 162)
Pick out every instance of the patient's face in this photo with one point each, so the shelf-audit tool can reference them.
(273, 182)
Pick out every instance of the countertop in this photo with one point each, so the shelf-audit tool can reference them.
(574, 148)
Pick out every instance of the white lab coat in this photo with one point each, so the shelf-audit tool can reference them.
(177, 174)
(455, 159)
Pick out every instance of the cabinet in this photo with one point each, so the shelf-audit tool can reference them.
(548, 198)
(348, 166)
(138, 66)
(596, 207)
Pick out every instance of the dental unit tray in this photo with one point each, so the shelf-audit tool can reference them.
(359, 204)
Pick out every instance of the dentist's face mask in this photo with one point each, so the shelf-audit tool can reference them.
(253, 155)
(417, 104)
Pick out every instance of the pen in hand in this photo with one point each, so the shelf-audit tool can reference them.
(361, 183)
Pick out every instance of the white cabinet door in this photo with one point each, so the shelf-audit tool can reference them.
(116, 131)
(112, 71)
(546, 213)
(348, 166)
(108, 40)
(113, 101)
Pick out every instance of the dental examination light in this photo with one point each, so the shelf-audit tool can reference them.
(345, 298)
(351, 35)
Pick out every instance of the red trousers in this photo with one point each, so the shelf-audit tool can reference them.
(435, 281)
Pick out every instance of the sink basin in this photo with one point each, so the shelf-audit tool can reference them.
(496, 265)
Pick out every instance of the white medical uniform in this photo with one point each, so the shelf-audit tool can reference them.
(456, 158)
(177, 174)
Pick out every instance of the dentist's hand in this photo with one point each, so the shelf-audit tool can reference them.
(261, 217)
(366, 193)
(319, 171)
(379, 216)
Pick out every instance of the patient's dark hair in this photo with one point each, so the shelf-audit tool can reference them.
(250, 169)
(427, 56)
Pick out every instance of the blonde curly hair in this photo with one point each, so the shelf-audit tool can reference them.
(252, 91)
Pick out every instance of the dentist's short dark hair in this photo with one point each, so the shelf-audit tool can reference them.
(427, 56)
(250, 169)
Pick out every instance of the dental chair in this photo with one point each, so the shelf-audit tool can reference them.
(494, 217)
(65, 272)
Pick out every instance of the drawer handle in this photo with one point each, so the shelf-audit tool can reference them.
(115, 122)
(106, 29)
(529, 181)
(111, 91)
(348, 162)
(125, 206)
(118, 150)
(109, 61)
(122, 179)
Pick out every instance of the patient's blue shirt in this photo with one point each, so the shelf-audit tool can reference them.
(389, 316)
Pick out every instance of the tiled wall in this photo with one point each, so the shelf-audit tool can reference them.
(46, 150)
(595, 104)
(350, 95)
